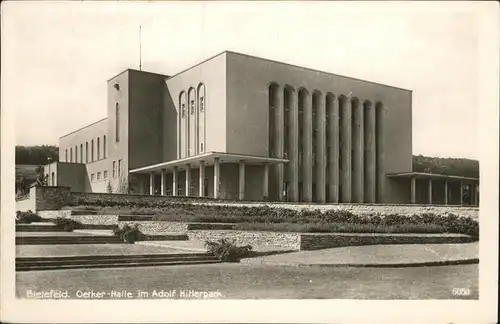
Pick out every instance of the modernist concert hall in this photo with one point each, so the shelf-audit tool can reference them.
(239, 127)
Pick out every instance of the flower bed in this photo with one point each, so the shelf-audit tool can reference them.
(283, 219)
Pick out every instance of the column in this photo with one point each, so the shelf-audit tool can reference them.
(307, 148)
(241, 180)
(265, 182)
(175, 177)
(202, 179)
(279, 139)
(446, 192)
(333, 167)
(430, 191)
(358, 154)
(370, 154)
(188, 180)
(380, 154)
(216, 177)
(413, 190)
(293, 165)
(151, 183)
(321, 150)
(461, 192)
(346, 150)
(471, 194)
(163, 184)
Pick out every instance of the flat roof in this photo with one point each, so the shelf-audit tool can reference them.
(423, 175)
(135, 70)
(209, 157)
(79, 129)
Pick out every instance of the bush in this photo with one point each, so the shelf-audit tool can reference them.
(67, 224)
(227, 251)
(27, 217)
(128, 234)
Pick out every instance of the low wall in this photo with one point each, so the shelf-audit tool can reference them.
(156, 227)
(49, 214)
(28, 203)
(50, 198)
(288, 240)
(84, 198)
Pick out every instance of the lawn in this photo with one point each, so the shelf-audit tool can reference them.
(239, 281)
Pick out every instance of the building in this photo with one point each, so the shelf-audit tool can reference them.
(245, 128)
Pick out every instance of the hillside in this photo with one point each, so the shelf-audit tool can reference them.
(449, 166)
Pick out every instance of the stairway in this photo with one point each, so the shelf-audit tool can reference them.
(77, 239)
(112, 261)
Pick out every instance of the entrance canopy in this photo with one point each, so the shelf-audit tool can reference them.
(433, 176)
(209, 159)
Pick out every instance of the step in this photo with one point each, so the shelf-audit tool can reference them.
(113, 265)
(67, 239)
(211, 226)
(116, 260)
(83, 212)
(135, 218)
(38, 228)
(166, 237)
(104, 257)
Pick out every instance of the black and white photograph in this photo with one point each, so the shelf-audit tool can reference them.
(200, 153)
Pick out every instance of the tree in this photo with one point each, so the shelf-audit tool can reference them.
(36, 154)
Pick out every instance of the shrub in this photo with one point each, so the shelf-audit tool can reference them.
(128, 234)
(227, 251)
(27, 217)
(67, 224)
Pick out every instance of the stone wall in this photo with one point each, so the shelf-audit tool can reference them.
(159, 227)
(51, 198)
(254, 238)
(322, 241)
(80, 198)
(49, 214)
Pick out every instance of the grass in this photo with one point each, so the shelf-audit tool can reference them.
(237, 281)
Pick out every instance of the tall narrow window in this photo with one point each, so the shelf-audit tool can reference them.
(117, 122)
(66, 155)
(104, 146)
(114, 169)
(86, 152)
(76, 153)
(92, 151)
(81, 153)
(119, 168)
(53, 179)
(200, 118)
(98, 149)
(70, 154)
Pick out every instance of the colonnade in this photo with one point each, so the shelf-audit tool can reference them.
(334, 145)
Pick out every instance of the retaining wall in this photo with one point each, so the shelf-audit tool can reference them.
(254, 238)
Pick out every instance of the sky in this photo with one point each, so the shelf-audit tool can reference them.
(57, 57)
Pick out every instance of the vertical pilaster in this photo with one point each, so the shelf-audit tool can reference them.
(430, 192)
(446, 192)
(370, 152)
(188, 180)
(279, 139)
(321, 150)
(216, 177)
(175, 177)
(202, 179)
(151, 184)
(265, 182)
(413, 185)
(346, 150)
(307, 175)
(358, 153)
(241, 180)
(163, 184)
(380, 120)
(461, 193)
(333, 167)
(293, 165)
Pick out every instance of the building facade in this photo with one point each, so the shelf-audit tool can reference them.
(240, 127)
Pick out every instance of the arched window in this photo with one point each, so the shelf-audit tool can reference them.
(66, 155)
(104, 146)
(117, 123)
(76, 153)
(98, 149)
(200, 118)
(70, 154)
(81, 153)
(92, 151)
(182, 125)
(192, 127)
